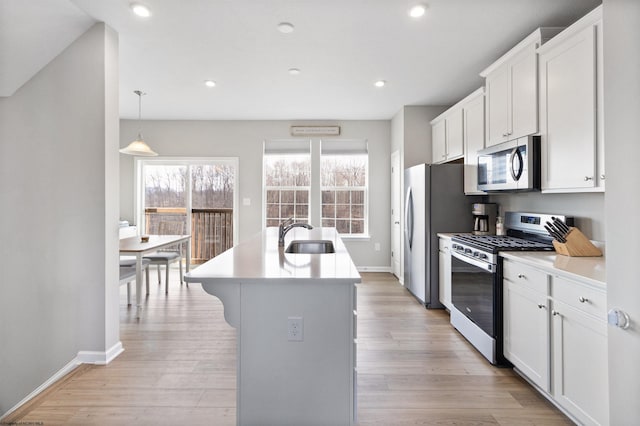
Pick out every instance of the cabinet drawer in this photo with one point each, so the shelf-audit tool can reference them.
(444, 244)
(525, 275)
(580, 296)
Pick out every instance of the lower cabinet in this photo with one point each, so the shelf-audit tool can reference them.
(444, 272)
(555, 334)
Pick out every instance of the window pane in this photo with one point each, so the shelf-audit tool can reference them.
(329, 223)
(287, 196)
(342, 197)
(212, 186)
(286, 211)
(344, 183)
(357, 226)
(328, 210)
(343, 226)
(357, 197)
(286, 183)
(343, 211)
(328, 197)
(357, 211)
(273, 196)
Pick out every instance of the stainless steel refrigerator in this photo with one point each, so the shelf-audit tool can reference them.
(434, 202)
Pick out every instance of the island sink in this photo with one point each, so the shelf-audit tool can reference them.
(310, 247)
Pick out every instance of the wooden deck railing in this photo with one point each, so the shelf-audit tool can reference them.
(211, 229)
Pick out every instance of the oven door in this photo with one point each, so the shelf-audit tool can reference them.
(473, 291)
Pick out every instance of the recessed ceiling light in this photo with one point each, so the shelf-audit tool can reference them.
(380, 83)
(140, 10)
(210, 83)
(285, 27)
(294, 71)
(417, 11)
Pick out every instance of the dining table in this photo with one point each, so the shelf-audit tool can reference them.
(136, 246)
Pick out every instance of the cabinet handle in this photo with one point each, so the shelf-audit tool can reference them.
(586, 178)
(521, 276)
(541, 306)
(601, 177)
(583, 299)
(555, 313)
(504, 135)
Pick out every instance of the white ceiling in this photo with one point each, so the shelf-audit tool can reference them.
(341, 47)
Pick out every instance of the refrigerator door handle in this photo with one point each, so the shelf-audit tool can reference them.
(408, 217)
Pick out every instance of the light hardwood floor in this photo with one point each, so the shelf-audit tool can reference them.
(179, 368)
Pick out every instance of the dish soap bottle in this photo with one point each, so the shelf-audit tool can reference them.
(499, 226)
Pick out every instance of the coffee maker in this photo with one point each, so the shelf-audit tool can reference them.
(484, 218)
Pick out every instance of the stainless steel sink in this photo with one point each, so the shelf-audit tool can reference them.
(310, 247)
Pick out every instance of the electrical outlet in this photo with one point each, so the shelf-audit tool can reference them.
(295, 328)
(377, 246)
(246, 201)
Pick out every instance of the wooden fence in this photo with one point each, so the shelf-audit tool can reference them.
(211, 229)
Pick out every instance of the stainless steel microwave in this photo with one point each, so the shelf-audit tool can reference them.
(510, 166)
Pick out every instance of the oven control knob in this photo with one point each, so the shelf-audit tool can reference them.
(484, 256)
(467, 251)
(476, 254)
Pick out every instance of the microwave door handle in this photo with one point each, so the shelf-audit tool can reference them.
(516, 173)
(408, 218)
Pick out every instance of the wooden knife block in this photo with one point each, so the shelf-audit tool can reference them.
(577, 245)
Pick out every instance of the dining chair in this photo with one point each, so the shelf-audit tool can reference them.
(167, 256)
(128, 274)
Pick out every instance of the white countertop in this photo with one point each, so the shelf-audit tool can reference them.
(260, 258)
(587, 269)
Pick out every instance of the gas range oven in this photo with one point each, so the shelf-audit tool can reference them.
(476, 278)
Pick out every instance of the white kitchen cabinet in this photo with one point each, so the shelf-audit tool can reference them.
(555, 334)
(580, 378)
(572, 144)
(512, 90)
(473, 136)
(447, 136)
(444, 272)
(526, 321)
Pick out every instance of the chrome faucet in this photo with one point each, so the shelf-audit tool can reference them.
(287, 226)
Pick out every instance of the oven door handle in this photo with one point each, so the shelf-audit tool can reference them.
(482, 265)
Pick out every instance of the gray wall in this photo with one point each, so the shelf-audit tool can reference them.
(59, 215)
(244, 139)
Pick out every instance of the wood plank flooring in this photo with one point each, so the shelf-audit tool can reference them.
(179, 367)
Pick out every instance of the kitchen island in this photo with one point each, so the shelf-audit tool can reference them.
(295, 316)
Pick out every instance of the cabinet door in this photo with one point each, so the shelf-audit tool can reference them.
(569, 138)
(580, 380)
(455, 140)
(526, 332)
(438, 142)
(473, 142)
(444, 273)
(524, 94)
(498, 106)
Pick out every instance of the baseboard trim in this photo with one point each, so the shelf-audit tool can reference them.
(100, 358)
(374, 269)
(83, 357)
(53, 379)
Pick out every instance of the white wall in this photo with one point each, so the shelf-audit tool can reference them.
(587, 208)
(622, 201)
(244, 139)
(59, 215)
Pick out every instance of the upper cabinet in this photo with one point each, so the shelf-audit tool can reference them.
(512, 90)
(473, 136)
(446, 140)
(571, 108)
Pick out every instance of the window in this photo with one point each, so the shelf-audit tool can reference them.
(328, 187)
(343, 177)
(287, 181)
(194, 196)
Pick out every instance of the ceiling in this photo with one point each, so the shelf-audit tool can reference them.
(341, 47)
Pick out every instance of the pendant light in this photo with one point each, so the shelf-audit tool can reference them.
(138, 146)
